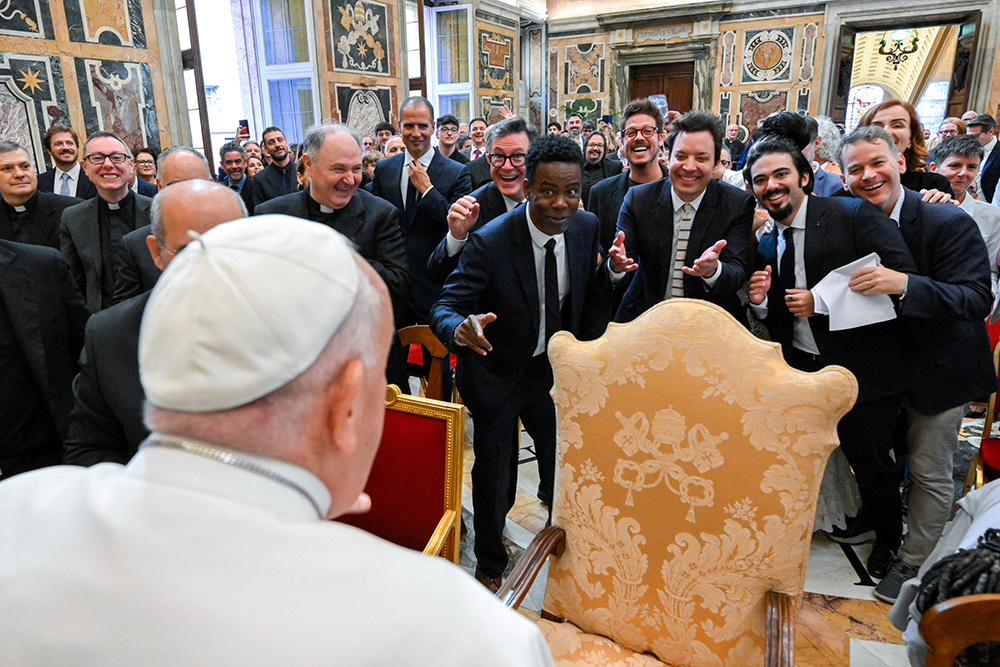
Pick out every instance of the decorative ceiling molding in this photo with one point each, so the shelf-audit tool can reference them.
(871, 67)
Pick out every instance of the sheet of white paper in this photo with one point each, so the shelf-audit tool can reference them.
(847, 309)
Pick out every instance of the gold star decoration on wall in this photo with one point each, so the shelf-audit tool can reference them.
(31, 81)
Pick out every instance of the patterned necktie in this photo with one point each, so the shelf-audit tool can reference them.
(64, 188)
(552, 318)
(676, 288)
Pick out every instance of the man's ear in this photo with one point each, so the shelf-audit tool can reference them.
(341, 407)
(155, 251)
(933, 166)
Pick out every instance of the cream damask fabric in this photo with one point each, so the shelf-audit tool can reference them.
(690, 458)
(573, 648)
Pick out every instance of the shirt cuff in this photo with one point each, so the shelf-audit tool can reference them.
(615, 276)
(453, 245)
(714, 278)
(760, 309)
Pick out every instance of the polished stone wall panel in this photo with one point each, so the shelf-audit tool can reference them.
(364, 107)
(108, 22)
(26, 18)
(360, 36)
(33, 99)
(117, 97)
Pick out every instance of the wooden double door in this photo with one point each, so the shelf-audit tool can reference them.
(675, 80)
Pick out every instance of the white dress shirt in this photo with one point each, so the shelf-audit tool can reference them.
(74, 179)
(404, 178)
(538, 241)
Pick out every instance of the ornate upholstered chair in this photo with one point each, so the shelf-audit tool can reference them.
(416, 479)
(690, 459)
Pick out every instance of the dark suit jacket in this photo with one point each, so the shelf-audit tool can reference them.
(85, 189)
(372, 224)
(460, 157)
(247, 192)
(106, 423)
(605, 202)
(491, 206)
(269, 184)
(946, 306)
(839, 231)
(44, 226)
(647, 218)
(137, 273)
(145, 188)
(479, 171)
(80, 242)
(48, 316)
(991, 174)
(497, 274)
(430, 223)
(609, 168)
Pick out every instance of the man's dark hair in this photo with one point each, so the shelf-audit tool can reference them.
(967, 572)
(554, 124)
(231, 146)
(985, 121)
(588, 125)
(508, 126)
(573, 114)
(149, 151)
(56, 129)
(481, 120)
(416, 100)
(109, 135)
(641, 106)
(385, 125)
(604, 140)
(790, 126)
(551, 148)
(447, 119)
(269, 130)
(771, 145)
(965, 145)
(698, 121)
(872, 134)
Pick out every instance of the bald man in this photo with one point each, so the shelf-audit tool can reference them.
(136, 272)
(106, 422)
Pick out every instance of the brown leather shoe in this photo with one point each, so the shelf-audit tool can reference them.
(491, 583)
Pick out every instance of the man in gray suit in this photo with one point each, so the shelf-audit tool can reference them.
(91, 233)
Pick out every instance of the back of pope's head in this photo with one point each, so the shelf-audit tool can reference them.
(270, 335)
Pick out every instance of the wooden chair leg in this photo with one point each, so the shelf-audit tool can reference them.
(780, 639)
(974, 478)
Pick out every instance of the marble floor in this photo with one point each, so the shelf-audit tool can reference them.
(841, 624)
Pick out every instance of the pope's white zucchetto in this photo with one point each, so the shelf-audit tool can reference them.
(243, 310)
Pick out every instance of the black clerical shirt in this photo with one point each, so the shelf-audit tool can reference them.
(114, 221)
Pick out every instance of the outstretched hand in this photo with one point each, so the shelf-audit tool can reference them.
(706, 265)
(619, 259)
(470, 333)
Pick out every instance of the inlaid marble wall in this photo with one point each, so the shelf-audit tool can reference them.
(767, 64)
(359, 71)
(578, 76)
(91, 64)
(497, 62)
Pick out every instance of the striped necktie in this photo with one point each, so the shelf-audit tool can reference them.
(676, 287)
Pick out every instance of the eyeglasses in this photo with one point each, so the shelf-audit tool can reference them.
(448, 130)
(725, 163)
(144, 163)
(646, 132)
(98, 159)
(516, 160)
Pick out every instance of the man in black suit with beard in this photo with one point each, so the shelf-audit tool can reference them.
(42, 319)
(67, 177)
(507, 145)
(332, 155)
(529, 273)
(422, 184)
(233, 159)
(278, 178)
(91, 232)
(107, 419)
(688, 235)
(27, 215)
(813, 236)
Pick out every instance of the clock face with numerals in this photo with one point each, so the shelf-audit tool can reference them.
(767, 56)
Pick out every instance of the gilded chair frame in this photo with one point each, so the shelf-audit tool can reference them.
(444, 541)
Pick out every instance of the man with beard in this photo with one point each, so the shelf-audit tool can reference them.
(67, 177)
(599, 166)
(574, 125)
(278, 178)
(27, 215)
(689, 235)
(233, 159)
(812, 237)
(507, 145)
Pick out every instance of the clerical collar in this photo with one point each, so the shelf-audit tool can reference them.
(325, 209)
(115, 206)
(124, 201)
(20, 209)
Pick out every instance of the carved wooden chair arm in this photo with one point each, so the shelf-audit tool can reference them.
(780, 631)
(550, 540)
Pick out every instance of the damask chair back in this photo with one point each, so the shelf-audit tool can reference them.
(690, 459)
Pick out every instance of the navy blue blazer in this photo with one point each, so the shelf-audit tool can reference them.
(838, 231)
(647, 218)
(991, 174)
(491, 206)
(85, 188)
(946, 306)
(430, 223)
(496, 273)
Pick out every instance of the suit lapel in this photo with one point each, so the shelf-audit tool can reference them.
(141, 217)
(816, 226)
(523, 257)
(703, 220)
(352, 218)
(992, 158)
(664, 215)
(88, 234)
(394, 174)
(908, 216)
(578, 265)
(19, 291)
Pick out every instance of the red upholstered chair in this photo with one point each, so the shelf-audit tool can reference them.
(985, 464)
(416, 480)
